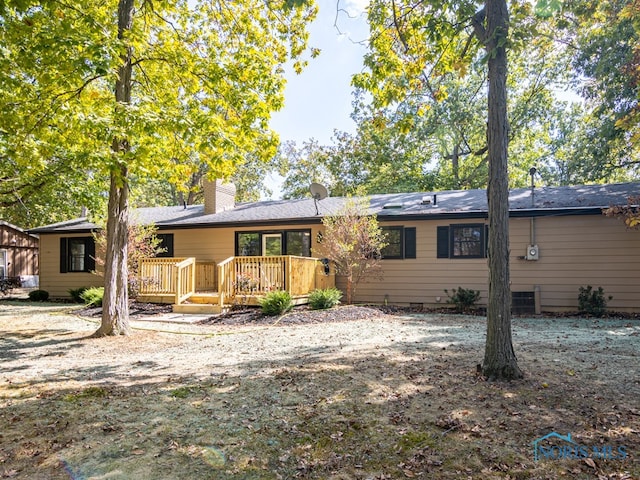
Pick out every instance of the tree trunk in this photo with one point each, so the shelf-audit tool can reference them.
(115, 303)
(349, 289)
(500, 361)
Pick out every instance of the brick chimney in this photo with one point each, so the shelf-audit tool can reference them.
(218, 196)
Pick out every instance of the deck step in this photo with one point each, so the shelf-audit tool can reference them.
(204, 297)
(197, 308)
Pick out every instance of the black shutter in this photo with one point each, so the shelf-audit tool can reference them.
(410, 242)
(168, 244)
(90, 255)
(63, 255)
(486, 241)
(443, 242)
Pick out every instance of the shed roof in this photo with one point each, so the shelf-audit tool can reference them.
(17, 229)
(582, 199)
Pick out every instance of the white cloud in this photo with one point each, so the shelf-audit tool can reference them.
(355, 7)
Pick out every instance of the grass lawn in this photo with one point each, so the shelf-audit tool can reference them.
(390, 397)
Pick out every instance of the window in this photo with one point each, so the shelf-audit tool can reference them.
(271, 244)
(462, 241)
(248, 244)
(3, 263)
(298, 243)
(166, 243)
(77, 254)
(287, 242)
(401, 243)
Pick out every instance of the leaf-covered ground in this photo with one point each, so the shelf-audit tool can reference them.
(382, 397)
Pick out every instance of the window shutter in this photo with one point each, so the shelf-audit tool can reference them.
(63, 255)
(168, 244)
(443, 242)
(486, 241)
(90, 255)
(410, 242)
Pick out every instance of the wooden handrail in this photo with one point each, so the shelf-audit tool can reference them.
(225, 284)
(258, 275)
(185, 275)
(181, 277)
(156, 276)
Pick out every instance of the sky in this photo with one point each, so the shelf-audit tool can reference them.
(318, 100)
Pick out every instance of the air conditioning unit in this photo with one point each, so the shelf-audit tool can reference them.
(533, 253)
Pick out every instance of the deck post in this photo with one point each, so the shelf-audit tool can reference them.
(193, 276)
(176, 276)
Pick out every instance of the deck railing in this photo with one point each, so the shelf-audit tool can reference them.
(185, 272)
(261, 275)
(157, 276)
(235, 276)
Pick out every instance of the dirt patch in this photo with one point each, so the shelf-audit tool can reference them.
(343, 394)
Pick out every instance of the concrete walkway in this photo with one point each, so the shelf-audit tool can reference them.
(179, 318)
(182, 318)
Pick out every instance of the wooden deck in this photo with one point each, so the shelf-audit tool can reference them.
(195, 286)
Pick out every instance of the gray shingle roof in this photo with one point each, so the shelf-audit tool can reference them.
(449, 204)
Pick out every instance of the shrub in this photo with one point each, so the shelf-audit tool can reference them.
(39, 295)
(276, 303)
(592, 301)
(76, 294)
(93, 296)
(322, 299)
(463, 298)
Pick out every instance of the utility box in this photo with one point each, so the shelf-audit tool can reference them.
(533, 252)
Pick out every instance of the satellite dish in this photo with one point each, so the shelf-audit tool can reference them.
(318, 192)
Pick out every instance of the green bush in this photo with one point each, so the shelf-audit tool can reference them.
(39, 295)
(463, 298)
(322, 299)
(76, 294)
(592, 302)
(276, 303)
(93, 296)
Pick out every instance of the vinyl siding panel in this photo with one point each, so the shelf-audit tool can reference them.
(205, 244)
(56, 283)
(577, 251)
(218, 244)
(574, 251)
(425, 278)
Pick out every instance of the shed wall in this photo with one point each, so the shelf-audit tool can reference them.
(22, 251)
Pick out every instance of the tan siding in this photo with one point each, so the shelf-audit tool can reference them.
(577, 251)
(574, 251)
(218, 244)
(610, 258)
(425, 278)
(54, 282)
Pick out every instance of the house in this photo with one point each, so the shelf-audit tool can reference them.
(18, 254)
(559, 241)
